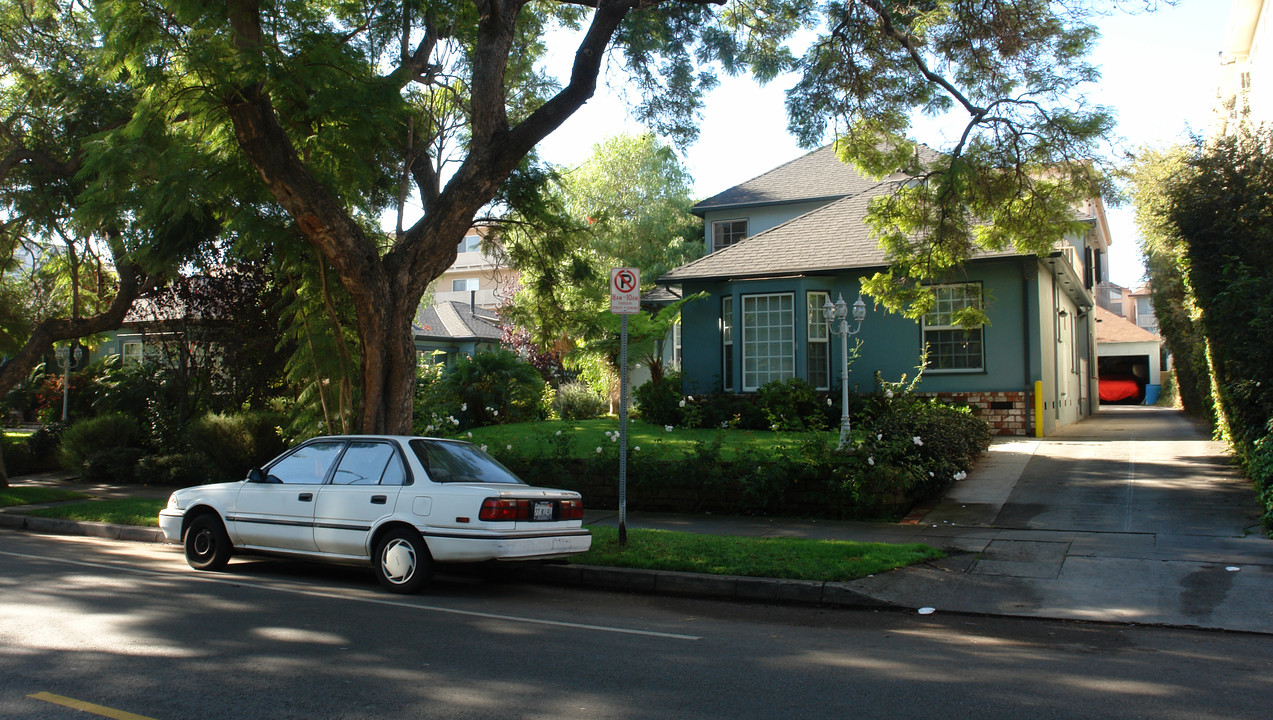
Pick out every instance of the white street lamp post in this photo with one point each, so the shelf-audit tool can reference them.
(838, 324)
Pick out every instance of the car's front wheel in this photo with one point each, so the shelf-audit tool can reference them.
(402, 560)
(207, 544)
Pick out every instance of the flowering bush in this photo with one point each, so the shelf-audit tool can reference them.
(488, 388)
(793, 404)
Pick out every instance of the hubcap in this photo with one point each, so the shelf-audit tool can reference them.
(203, 542)
(398, 561)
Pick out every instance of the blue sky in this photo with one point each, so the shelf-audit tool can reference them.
(1159, 73)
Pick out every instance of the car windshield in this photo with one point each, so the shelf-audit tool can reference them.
(451, 461)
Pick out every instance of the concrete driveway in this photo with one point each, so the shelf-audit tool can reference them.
(1133, 515)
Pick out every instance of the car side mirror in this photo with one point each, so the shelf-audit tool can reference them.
(257, 475)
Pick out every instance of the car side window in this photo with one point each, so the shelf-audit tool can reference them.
(369, 463)
(307, 466)
(451, 461)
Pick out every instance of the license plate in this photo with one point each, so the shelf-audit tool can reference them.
(543, 511)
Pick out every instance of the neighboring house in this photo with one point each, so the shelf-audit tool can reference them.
(446, 330)
(462, 319)
(477, 275)
(1246, 72)
(1129, 359)
(1135, 306)
(782, 244)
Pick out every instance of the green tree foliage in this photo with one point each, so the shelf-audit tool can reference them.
(626, 206)
(1223, 211)
(339, 108)
(86, 224)
(1166, 262)
(1208, 221)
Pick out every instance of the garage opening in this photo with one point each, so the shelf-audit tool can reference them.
(1123, 379)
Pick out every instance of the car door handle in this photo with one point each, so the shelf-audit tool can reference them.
(379, 499)
(305, 497)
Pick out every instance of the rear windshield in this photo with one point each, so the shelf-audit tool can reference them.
(449, 461)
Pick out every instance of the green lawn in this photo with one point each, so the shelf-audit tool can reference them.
(35, 495)
(536, 439)
(129, 511)
(791, 558)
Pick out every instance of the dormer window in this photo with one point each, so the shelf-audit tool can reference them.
(727, 232)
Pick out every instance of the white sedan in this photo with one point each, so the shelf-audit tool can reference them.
(400, 503)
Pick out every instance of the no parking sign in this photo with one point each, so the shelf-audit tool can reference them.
(625, 291)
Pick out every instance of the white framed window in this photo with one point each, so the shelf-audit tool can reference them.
(464, 285)
(676, 346)
(769, 343)
(727, 342)
(951, 347)
(471, 243)
(727, 232)
(818, 346)
(130, 352)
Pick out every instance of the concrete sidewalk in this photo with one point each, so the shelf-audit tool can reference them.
(1131, 516)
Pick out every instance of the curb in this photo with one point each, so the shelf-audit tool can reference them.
(58, 526)
(647, 582)
(684, 584)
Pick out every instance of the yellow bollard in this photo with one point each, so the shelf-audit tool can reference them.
(1038, 408)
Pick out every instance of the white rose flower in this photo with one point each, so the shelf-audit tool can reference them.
(917, 440)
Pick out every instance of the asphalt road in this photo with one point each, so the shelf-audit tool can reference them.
(129, 628)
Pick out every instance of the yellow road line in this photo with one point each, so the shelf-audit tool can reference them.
(87, 707)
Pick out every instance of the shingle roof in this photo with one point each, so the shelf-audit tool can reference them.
(452, 320)
(819, 175)
(832, 237)
(1111, 328)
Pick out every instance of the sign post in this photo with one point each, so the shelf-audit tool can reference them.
(625, 300)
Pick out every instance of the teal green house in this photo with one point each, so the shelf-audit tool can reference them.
(781, 245)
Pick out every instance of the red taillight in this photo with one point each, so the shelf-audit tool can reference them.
(504, 509)
(521, 509)
(571, 510)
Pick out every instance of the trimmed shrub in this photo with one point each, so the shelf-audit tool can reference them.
(179, 469)
(45, 441)
(18, 459)
(112, 465)
(577, 401)
(659, 401)
(88, 437)
(233, 444)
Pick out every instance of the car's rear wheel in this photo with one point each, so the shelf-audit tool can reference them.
(207, 544)
(402, 560)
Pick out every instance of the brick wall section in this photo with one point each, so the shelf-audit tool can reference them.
(1009, 413)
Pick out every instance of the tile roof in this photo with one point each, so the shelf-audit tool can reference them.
(453, 320)
(1111, 328)
(819, 175)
